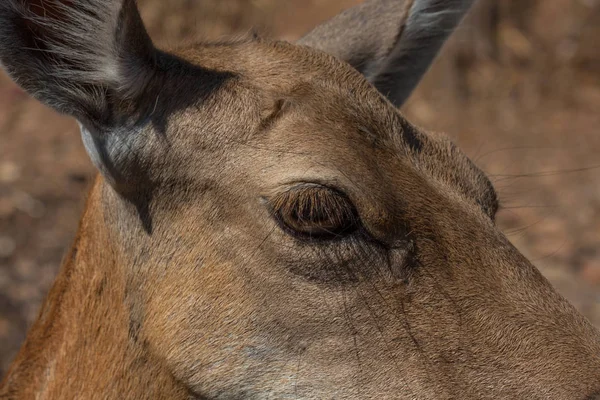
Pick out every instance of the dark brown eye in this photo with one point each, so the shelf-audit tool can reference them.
(315, 212)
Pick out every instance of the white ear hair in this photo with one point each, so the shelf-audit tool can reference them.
(83, 36)
(68, 54)
(91, 59)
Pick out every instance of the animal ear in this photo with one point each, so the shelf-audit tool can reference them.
(76, 55)
(391, 42)
(91, 59)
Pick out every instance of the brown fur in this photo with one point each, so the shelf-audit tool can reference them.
(192, 276)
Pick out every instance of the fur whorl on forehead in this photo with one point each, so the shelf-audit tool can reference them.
(71, 54)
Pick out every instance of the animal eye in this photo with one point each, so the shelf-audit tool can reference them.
(315, 212)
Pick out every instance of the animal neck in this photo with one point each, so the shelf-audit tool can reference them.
(83, 343)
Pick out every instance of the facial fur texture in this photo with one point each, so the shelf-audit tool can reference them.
(268, 225)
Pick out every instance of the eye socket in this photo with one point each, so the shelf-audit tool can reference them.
(315, 212)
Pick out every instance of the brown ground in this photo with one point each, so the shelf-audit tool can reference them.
(518, 88)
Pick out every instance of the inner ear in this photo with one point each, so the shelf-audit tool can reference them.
(45, 9)
(76, 56)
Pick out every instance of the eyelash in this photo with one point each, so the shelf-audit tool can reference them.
(349, 221)
(314, 238)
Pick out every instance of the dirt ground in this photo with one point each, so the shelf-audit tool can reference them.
(518, 87)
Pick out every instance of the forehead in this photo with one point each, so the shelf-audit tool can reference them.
(285, 69)
(315, 87)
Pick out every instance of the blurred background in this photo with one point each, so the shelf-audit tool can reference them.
(517, 87)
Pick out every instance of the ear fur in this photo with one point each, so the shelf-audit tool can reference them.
(76, 55)
(392, 42)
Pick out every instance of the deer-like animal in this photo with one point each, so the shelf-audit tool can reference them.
(266, 224)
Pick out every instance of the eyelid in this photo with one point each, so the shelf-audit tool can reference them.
(349, 220)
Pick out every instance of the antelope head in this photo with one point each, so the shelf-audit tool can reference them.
(266, 224)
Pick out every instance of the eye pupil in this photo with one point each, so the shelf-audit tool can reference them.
(315, 212)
